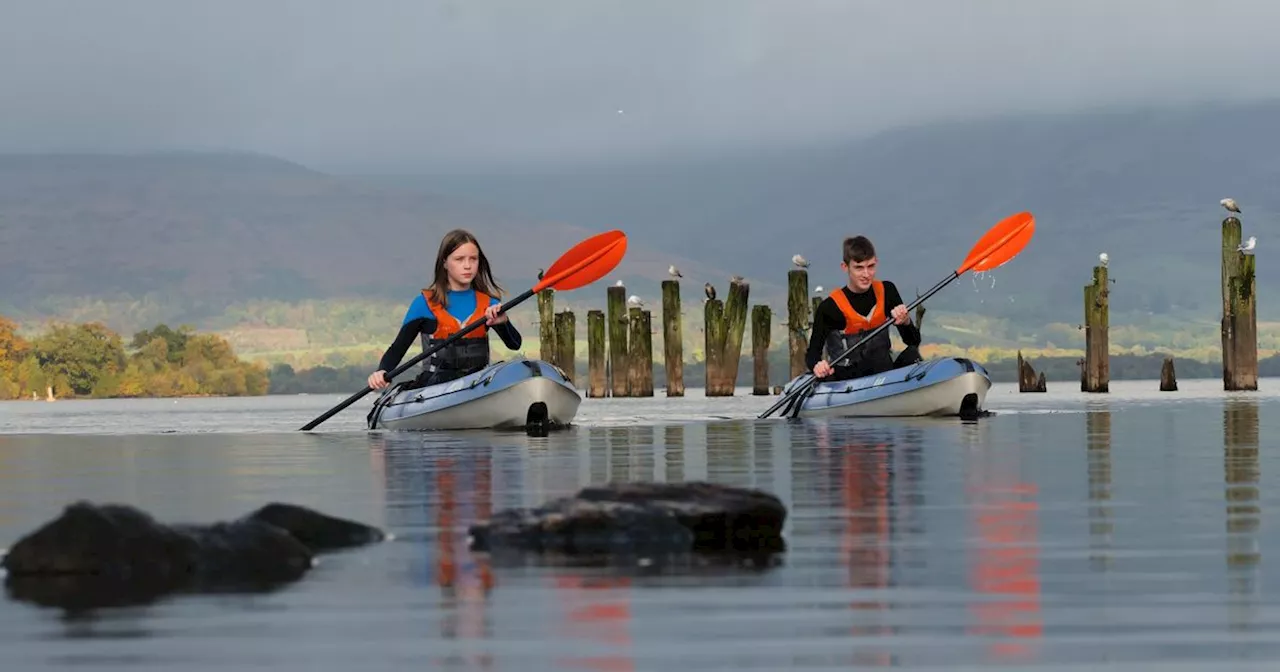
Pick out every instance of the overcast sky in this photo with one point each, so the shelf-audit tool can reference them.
(394, 83)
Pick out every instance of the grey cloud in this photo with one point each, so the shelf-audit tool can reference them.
(391, 82)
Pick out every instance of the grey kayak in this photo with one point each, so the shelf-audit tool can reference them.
(944, 386)
(518, 394)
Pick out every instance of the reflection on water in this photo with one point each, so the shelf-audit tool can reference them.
(1098, 450)
(911, 542)
(1244, 514)
(1004, 569)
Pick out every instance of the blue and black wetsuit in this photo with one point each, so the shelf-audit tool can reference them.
(469, 354)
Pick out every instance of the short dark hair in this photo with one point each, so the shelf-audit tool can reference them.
(858, 249)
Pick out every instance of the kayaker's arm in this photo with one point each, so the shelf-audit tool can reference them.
(827, 318)
(509, 334)
(408, 334)
(909, 332)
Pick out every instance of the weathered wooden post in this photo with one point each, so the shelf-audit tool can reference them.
(640, 374)
(597, 380)
(761, 317)
(713, 343)
(1239, 312)
(672, 338)
(547, 325)
(1097, 364)
(617, 330)
(566, 354)
(797, 318)
(1168, 381)
(1027, 381)
(735, 328)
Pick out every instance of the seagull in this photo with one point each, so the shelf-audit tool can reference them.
(673, 271)
(738, 279)
(1230, 204)
(1248, 245)
(710, 291)
(617, 284)
(634, 301)
(817, 290)
(800, 261)
(1103, 259)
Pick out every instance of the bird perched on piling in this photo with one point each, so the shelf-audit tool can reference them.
(817, 290)
(673, 271)
(1230, 204)
(738, 280)
(1248, 245)
(634, 301)
(800, 261)
(617, 284)
(1103, 259)
(540, 272)
(710, 291)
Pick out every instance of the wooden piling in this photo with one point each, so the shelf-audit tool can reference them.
(1239, 312)
(735, 328)
(640, 371)
(797, 318)
(713, 343)
(672, 338)
(761, 319)
(597, 379)
(616, 308)
(547, 325)
(1168, 381)
(1097, 364)
(1027, 380)
(565, 324)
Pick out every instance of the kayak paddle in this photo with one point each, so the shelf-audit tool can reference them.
(582, 265)
(1000, 244)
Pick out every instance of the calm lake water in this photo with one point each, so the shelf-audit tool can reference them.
(1068, 531)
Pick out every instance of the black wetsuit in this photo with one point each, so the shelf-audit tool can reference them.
(873, 357)
(420, 321)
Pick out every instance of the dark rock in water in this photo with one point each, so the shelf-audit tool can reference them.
(640, 519)
(101, 555)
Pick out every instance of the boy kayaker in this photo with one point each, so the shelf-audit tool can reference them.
(849, 312)
(463, 290)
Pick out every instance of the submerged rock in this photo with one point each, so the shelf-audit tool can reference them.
(640, 519)
(112, 554)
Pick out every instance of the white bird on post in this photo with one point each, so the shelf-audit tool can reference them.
(1230, 204)
(1103, 259)
(634, 301)
(673, 271)
(1248, 245)
(800, 261)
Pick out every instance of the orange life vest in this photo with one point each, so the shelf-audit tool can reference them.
(448, 325)
(853, 322)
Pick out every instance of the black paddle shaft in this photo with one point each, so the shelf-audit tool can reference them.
(407, 365)
(804, 388)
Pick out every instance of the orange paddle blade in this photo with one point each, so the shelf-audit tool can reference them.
(585, 263)
(1002, 243)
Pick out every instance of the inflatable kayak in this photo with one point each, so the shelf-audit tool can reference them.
(525, 394)
(945, 386)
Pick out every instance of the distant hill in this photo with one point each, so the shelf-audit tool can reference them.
(227, 240)
(196, 233)
(1142, 185)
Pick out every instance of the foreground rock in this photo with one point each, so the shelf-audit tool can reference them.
(104, 555)
(640, 520)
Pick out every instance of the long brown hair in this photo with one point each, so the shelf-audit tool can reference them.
(483, 282)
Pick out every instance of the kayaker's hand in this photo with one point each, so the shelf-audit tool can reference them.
(378, 381)
(822, 369)
(899, 314)
(492, 317)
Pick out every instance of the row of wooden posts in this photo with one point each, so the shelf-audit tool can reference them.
(620, 339)
(1239, 327)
